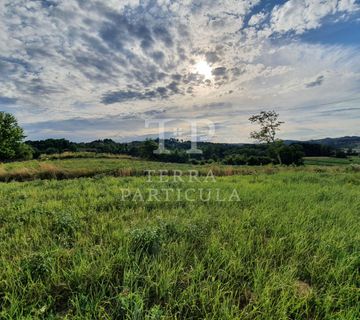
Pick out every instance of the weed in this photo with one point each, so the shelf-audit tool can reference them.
(63, 228)
(147, 240)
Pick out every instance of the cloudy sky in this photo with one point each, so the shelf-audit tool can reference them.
(87, 69)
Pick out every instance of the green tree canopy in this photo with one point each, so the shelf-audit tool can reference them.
(11, 137)
(269, 124)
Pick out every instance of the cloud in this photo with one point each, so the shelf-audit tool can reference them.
(257, 19)
(318, 82)
(7, 100)
(302, 15)
(212, 57)
(159, 92)
(66, 60)
(355, 112)
(219, 71)
(161, 33)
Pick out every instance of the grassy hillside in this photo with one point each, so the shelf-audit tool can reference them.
(76, 249)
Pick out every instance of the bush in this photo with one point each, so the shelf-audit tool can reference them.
(24, 152)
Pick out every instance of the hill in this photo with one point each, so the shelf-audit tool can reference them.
(347, 142)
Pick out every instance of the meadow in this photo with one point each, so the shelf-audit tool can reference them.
(287, 248)
(84, 164)
(331, 161)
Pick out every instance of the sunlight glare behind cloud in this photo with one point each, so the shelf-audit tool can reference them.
(203, 68)
(86, 70)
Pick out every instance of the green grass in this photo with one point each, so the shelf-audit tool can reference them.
(329, 161)
(74, 165)
(289, 249)
(78, 167)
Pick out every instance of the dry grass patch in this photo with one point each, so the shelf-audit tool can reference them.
(302, 289)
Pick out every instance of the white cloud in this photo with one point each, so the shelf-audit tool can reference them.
(257, 19)
(60, 61)
(348, 5)
(302, 15)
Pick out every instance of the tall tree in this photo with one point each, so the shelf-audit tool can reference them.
(11, 136)
(147, 149)
(269, 125)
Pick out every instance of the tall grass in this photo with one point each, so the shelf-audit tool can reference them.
(289, 249)
(69, 168)
(84, 155)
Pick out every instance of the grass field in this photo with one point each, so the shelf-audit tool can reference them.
(287, 248)
(328, 161)
(71, 165)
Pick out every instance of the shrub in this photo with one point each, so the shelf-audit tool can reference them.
(24, 152)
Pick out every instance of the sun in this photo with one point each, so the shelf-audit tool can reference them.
(203, 68)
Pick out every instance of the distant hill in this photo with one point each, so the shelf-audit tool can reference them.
(347, 142)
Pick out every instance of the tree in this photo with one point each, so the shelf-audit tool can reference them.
(340, 154)
(11, 136)
(269, 125)
(147, 149)
(292, 155)
(25, 152)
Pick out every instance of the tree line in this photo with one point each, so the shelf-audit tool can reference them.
(269, 150)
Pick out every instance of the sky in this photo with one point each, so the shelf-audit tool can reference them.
(87, 69)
